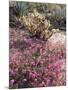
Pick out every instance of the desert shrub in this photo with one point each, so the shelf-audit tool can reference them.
(26, 7)
(37, 25)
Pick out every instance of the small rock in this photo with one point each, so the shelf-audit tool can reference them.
(57, 40)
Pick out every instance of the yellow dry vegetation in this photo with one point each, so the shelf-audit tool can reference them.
(37, 25)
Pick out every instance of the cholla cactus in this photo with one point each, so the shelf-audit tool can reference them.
(37, 25)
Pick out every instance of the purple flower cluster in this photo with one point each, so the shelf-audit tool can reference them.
(34, 63)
